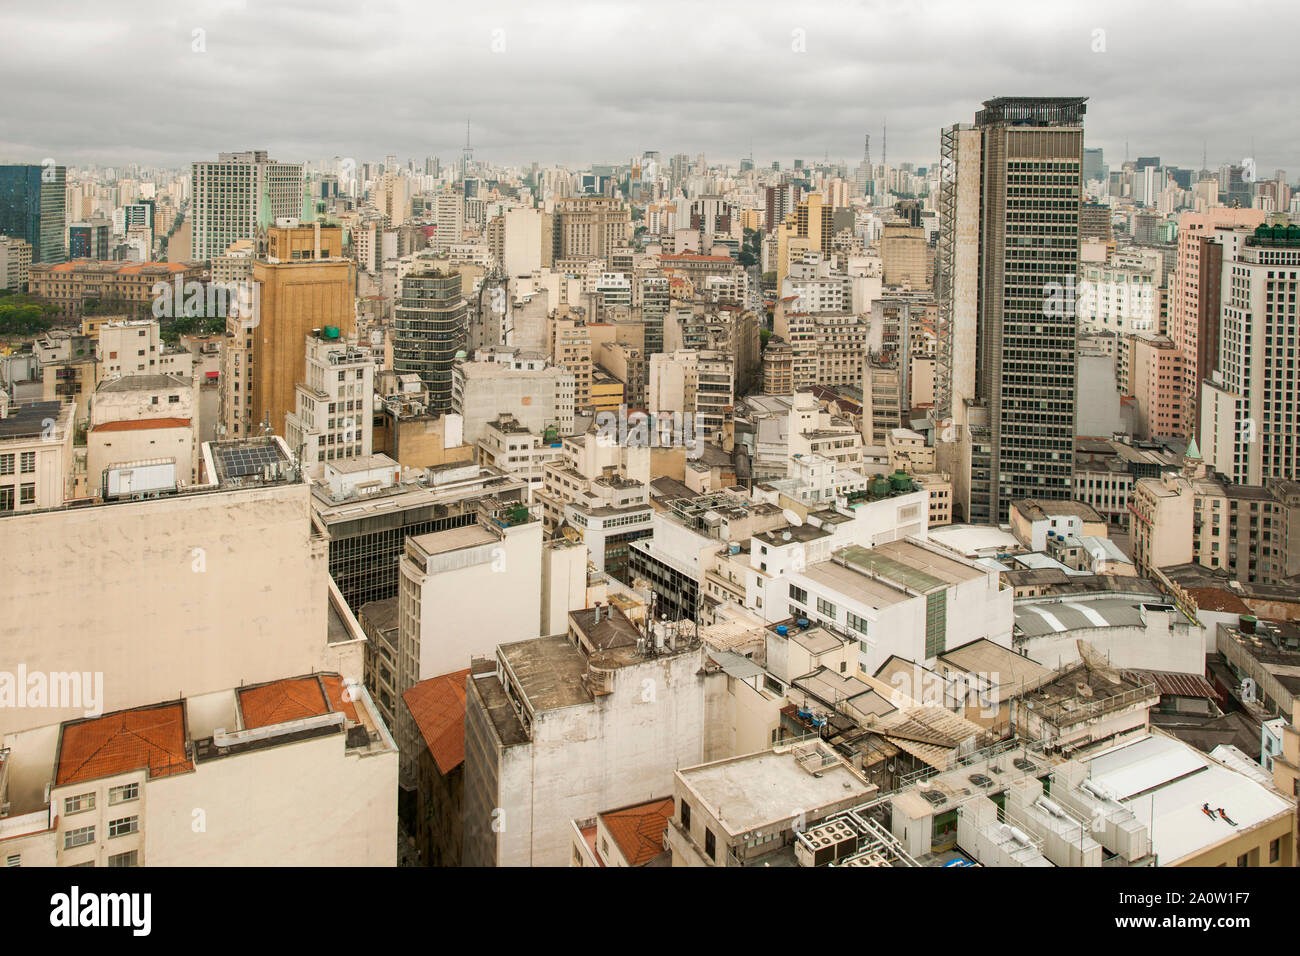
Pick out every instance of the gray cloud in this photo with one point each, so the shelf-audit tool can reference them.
(599, 82)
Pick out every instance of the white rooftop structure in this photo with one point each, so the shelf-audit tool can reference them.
(1167, 784)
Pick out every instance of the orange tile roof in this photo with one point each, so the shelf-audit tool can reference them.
(639, 830)
(142, 424)
(334, 687)
(438, 708)
(294, 698)
(151, 738)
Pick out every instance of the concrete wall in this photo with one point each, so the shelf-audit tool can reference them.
(235, 588)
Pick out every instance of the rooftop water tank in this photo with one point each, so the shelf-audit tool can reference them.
(803, 623)
(331, 331)
(782, 630)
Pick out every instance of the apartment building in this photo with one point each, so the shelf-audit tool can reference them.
(15, 263)
(1193, 516)
(36, 455)
(1205, 241)
(462, 592)
(565, 725)
(334, 417)
(541, 396)
(123, 787)
(143, 418)
(1249, 426)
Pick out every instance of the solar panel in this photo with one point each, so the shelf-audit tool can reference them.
(241, 461)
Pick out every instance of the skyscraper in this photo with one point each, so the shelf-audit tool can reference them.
(1249, 430)
(237, 194)
(32, 208)
(1008, 261)
(430, 325)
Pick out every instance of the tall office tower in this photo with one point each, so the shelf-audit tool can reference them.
(430, 325)
(303, 283)
(1205, 242)
(1094, 166)
(1248, 412)
(589, 227)
(238, 193)
(1009, 208)
(32, 200)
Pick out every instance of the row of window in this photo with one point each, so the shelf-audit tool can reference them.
(86, 801)
(84, 836)
(26, 463)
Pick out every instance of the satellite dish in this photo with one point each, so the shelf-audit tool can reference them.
(792, 517)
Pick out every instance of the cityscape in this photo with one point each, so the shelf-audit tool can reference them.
(479, 504)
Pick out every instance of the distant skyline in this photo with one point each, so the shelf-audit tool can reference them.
(572, 85)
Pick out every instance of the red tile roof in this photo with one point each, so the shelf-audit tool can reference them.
(438, 708)
(291, 699)
(142, 424)
(151, 738)
(639, 830)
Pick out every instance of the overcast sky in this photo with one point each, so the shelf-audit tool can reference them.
(576, 83)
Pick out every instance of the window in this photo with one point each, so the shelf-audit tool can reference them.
(15, 860)
(78, 837)
(78, 804)
(1243, 860)
(7, 498)
(826, 607)
(856, 623)
(123, 826)
(6, 464)
(173, 399)
(799, 594)
(710, 844)
(123, 794)
(28, 462)
(27, 494)
(130, 858)
(686, 816)
(1274, 850)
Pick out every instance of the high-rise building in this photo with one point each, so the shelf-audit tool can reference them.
(1205, 241)
(1094, 166)
(303, 283)
(238, 193)
(32, 200)
(1249, 430)
(1014, 183)
(430, 325)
